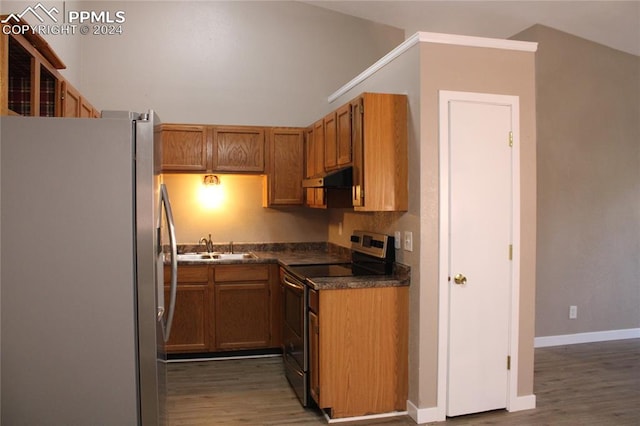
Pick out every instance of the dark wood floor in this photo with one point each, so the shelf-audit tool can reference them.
(587, 384)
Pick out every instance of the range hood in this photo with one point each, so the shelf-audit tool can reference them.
(342, 178)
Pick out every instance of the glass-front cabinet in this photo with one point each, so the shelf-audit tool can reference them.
(30, 83)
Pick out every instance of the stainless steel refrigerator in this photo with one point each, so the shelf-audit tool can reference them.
(84, 217)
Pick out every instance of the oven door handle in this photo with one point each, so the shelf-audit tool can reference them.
(294, 285)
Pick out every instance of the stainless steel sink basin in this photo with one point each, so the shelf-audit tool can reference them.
(212, 257)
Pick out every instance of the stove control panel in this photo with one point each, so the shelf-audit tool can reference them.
(372, 243)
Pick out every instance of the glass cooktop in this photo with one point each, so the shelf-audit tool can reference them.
(317, 271)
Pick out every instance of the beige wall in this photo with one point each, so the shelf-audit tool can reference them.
(229, 62)
(252, 63)
(421, 73)
(588, 184)
(488, 71)
(240, 216)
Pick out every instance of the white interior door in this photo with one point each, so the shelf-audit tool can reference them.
(480, 238)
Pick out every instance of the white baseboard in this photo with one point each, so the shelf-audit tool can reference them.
(520, 403)
(596, 336)
(425, 415)
(368, 417)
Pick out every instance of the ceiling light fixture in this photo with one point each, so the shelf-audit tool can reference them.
(211, 180)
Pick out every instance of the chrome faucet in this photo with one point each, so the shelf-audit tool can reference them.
(207, 243)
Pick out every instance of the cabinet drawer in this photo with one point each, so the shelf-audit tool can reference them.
(188, 274)
(230, 273)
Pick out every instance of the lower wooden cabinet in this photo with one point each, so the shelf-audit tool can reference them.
(225, 307)
(189, 332)
(358, 346)
(242, 308)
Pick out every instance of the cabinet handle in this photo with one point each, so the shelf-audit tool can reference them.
(294, 285)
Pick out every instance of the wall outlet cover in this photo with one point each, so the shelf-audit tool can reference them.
(408, 240)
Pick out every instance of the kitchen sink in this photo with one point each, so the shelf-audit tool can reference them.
(212, 257)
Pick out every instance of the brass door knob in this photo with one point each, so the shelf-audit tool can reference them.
(460, 279)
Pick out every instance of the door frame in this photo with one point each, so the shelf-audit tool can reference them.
(445, 97)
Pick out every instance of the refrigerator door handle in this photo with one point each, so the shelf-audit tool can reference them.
(164, 197)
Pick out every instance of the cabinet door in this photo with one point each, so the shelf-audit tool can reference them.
(238, 149)
(337, 138)
(343, 136)
(74, 104)
(242, 307)
(314, 360)
(286, 167)
(189, 332)
(315, 197)
(184, 148)
(70, 101)
(330, 142)
(190, 329)
(318, 148)
(242, 315)
(358, 154)
(379, 130)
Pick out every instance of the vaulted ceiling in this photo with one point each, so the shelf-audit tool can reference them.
(612, 23)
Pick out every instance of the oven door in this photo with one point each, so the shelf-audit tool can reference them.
(294, 335)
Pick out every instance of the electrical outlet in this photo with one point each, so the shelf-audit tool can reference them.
(408, 240)
(397, 240)
(573, 312)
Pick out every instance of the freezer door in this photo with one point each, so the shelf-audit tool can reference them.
(152, 356)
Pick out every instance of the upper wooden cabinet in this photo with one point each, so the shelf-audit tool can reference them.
(73, 104)
(379, 138)
(184, 148)
(285, 167)
(337, 140)
(238, 149)
(30, 83)
(201, 148)
(314, 162)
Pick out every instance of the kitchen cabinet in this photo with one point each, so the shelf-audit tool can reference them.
(238, 149)
(242, 307)
(314, 163)
(379, 138)
(190, 329)
(285, 167)
(205, 148)
(184, 148)
(30, 83)
(358, 346)
(337, 141)
(74, 105)
(225, 307)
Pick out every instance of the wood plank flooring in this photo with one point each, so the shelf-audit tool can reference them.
(587, 384)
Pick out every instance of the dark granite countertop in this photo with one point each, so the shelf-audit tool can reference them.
(400, 277)
(289, 254)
